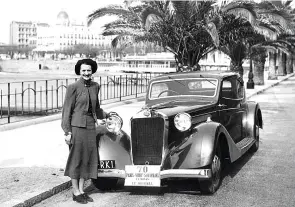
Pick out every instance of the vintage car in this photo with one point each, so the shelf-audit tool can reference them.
(192, 123)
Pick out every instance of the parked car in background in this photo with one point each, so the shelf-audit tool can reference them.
(191, 125)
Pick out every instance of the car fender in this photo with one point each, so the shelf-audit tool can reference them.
(113, 146)
(253, 111)
(198, 148)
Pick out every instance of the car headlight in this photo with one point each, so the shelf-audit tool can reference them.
(114, 123)
(183, 121)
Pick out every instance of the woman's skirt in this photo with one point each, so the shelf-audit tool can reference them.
(83, 158)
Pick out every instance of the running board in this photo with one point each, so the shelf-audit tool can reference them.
(245, 144)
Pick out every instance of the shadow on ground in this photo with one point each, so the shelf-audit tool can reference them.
(180, 186)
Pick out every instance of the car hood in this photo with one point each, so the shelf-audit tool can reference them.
(174, 107)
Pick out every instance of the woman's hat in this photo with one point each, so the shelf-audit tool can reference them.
(90, 62)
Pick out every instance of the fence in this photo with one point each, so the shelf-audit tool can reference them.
(29, 99)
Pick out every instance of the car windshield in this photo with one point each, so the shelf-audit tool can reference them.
(200, 87)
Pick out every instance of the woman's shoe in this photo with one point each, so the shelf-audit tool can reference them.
(87, 197)
(79, 199)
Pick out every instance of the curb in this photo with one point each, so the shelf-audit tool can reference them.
(55, 190)
(54, 117)
(270, 86)
(47, 194)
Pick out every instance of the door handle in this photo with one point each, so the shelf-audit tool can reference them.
(221, 105)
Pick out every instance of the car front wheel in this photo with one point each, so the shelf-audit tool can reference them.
(211, 185)
(105, 183)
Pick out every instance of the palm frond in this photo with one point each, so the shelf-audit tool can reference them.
(122, 40)
(288, 3)
(122, 31)
(150, 16)
(180, 6)
(117, 25)
(273, 47)
(116, 10)
(242, 9)
(212, 30)
(280, 16)
(114, 23)
(266, 31)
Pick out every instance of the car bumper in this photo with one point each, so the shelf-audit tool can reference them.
(173, 173)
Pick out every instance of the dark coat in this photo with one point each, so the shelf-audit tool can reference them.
(76, 105)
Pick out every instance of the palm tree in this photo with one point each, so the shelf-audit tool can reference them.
(127, 28)
(235, 43)
(239, 45)
(181, 27)
(188, 29)
(221, 17)
(272, 56)
(271, 22)
(285, 45)
(283, 7)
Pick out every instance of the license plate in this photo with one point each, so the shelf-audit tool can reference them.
(106, 164)
(142, 175)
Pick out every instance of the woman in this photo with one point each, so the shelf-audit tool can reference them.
(81, 112)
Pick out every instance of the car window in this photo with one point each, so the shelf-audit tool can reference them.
(227, 89)
(232, 88)
(157, 88)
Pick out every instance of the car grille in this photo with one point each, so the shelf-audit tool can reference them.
(147, 140)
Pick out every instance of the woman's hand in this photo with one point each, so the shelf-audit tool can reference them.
(68, 138)
(100, 122)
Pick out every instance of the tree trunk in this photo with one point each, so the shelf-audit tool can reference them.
(293, 62)
(282, 64)
(258, 70)
(272, 66)
(237, 67)
(289, 67)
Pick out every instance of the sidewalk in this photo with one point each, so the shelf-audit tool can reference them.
(33, 154)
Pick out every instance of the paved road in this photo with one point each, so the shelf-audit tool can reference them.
(266, 178)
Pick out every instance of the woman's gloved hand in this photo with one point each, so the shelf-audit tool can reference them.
(68, 138)
(100, 122)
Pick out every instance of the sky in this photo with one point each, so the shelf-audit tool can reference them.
(47, 11)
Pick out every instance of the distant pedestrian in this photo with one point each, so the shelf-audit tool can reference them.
(81, 112)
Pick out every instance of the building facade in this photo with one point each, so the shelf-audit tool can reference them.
(24, 34)
(66, 34)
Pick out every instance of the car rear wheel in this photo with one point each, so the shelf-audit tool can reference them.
(211, 185)
(105, 183)
(255, 146)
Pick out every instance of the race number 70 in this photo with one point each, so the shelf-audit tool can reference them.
(142, 169)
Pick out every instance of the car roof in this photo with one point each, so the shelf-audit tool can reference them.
(196, 74)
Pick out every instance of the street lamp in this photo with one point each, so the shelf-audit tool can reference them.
(250, 83)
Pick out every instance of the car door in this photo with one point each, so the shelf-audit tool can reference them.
(231, 111)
